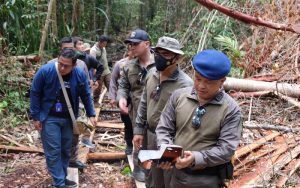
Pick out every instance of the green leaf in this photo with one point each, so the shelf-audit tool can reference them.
(3, 105)
(126, 171)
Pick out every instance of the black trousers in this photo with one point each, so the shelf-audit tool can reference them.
(128, 129)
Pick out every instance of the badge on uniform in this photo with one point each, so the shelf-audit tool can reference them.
(58, 107)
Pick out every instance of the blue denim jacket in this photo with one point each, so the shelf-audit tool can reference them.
(45, 88)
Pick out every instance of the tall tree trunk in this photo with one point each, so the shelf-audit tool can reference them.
(75, 16)
(108, 13)
(94, 19)
(141, 15)
(1, 45)
(45, 29)
(54, 23)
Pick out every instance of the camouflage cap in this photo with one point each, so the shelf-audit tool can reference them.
(169, 44)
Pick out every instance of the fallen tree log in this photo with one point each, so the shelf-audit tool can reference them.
(26, 58)
(247, 18)
(249, 94)
(265, 176)
(110, 125)
(283, 179)
(107, 156)
(110, 111)
(21, 149)
(250, 125)
(12, 141)
(288, 99)
(291, 90)
(248, 148)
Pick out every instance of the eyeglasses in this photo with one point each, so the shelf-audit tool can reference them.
(199, 113)
(155, 93)
(64, 65)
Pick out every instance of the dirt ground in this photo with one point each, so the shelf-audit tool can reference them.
(29, 170)
(24, 170)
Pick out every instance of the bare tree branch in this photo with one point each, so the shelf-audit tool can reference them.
(247, 18)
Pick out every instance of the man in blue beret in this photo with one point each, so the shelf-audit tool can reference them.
(206, 122)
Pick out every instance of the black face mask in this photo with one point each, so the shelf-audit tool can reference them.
(162, 63)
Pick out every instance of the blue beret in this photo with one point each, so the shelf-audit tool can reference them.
(211, 64)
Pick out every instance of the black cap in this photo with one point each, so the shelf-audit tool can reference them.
(138, 35)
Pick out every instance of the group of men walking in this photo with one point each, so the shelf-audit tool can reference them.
(159, 104)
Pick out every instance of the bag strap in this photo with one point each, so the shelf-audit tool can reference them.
(75, 129)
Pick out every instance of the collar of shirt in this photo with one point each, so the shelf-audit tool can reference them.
(173, 77)
(218, 99)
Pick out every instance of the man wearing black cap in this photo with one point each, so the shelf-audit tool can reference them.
(160, 83)
(205, 121)
(132, 82)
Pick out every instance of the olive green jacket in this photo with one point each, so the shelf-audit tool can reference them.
(218, 136)
(131, 84)
(101, 56)
(155, 97)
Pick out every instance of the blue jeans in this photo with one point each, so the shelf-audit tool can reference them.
(57, 140)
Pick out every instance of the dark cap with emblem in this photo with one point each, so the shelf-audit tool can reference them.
(169, 44)
(138, 35)
(211, 64)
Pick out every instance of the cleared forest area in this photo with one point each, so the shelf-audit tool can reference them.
(265, 80)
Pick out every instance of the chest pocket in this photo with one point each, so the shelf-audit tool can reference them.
(134, 81)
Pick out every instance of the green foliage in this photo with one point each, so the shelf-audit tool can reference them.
(126, 171)
(231, 47)
(20, 25)
(13, 104)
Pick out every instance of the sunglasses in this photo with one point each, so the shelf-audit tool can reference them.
(142, 76)
(134, 43)
(199, 113)
(155, 93)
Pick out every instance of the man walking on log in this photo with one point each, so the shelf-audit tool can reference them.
(132, 82)
(49, 110)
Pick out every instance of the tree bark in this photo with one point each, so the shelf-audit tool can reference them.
(110, 125)
(108, 13)
(250, 125)
(75, 15)
(247, 18)
(248, 148)
(265, 176)
(107, 156)
(54, 23)
(45, 29)
(21, 149)
(292, 90)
